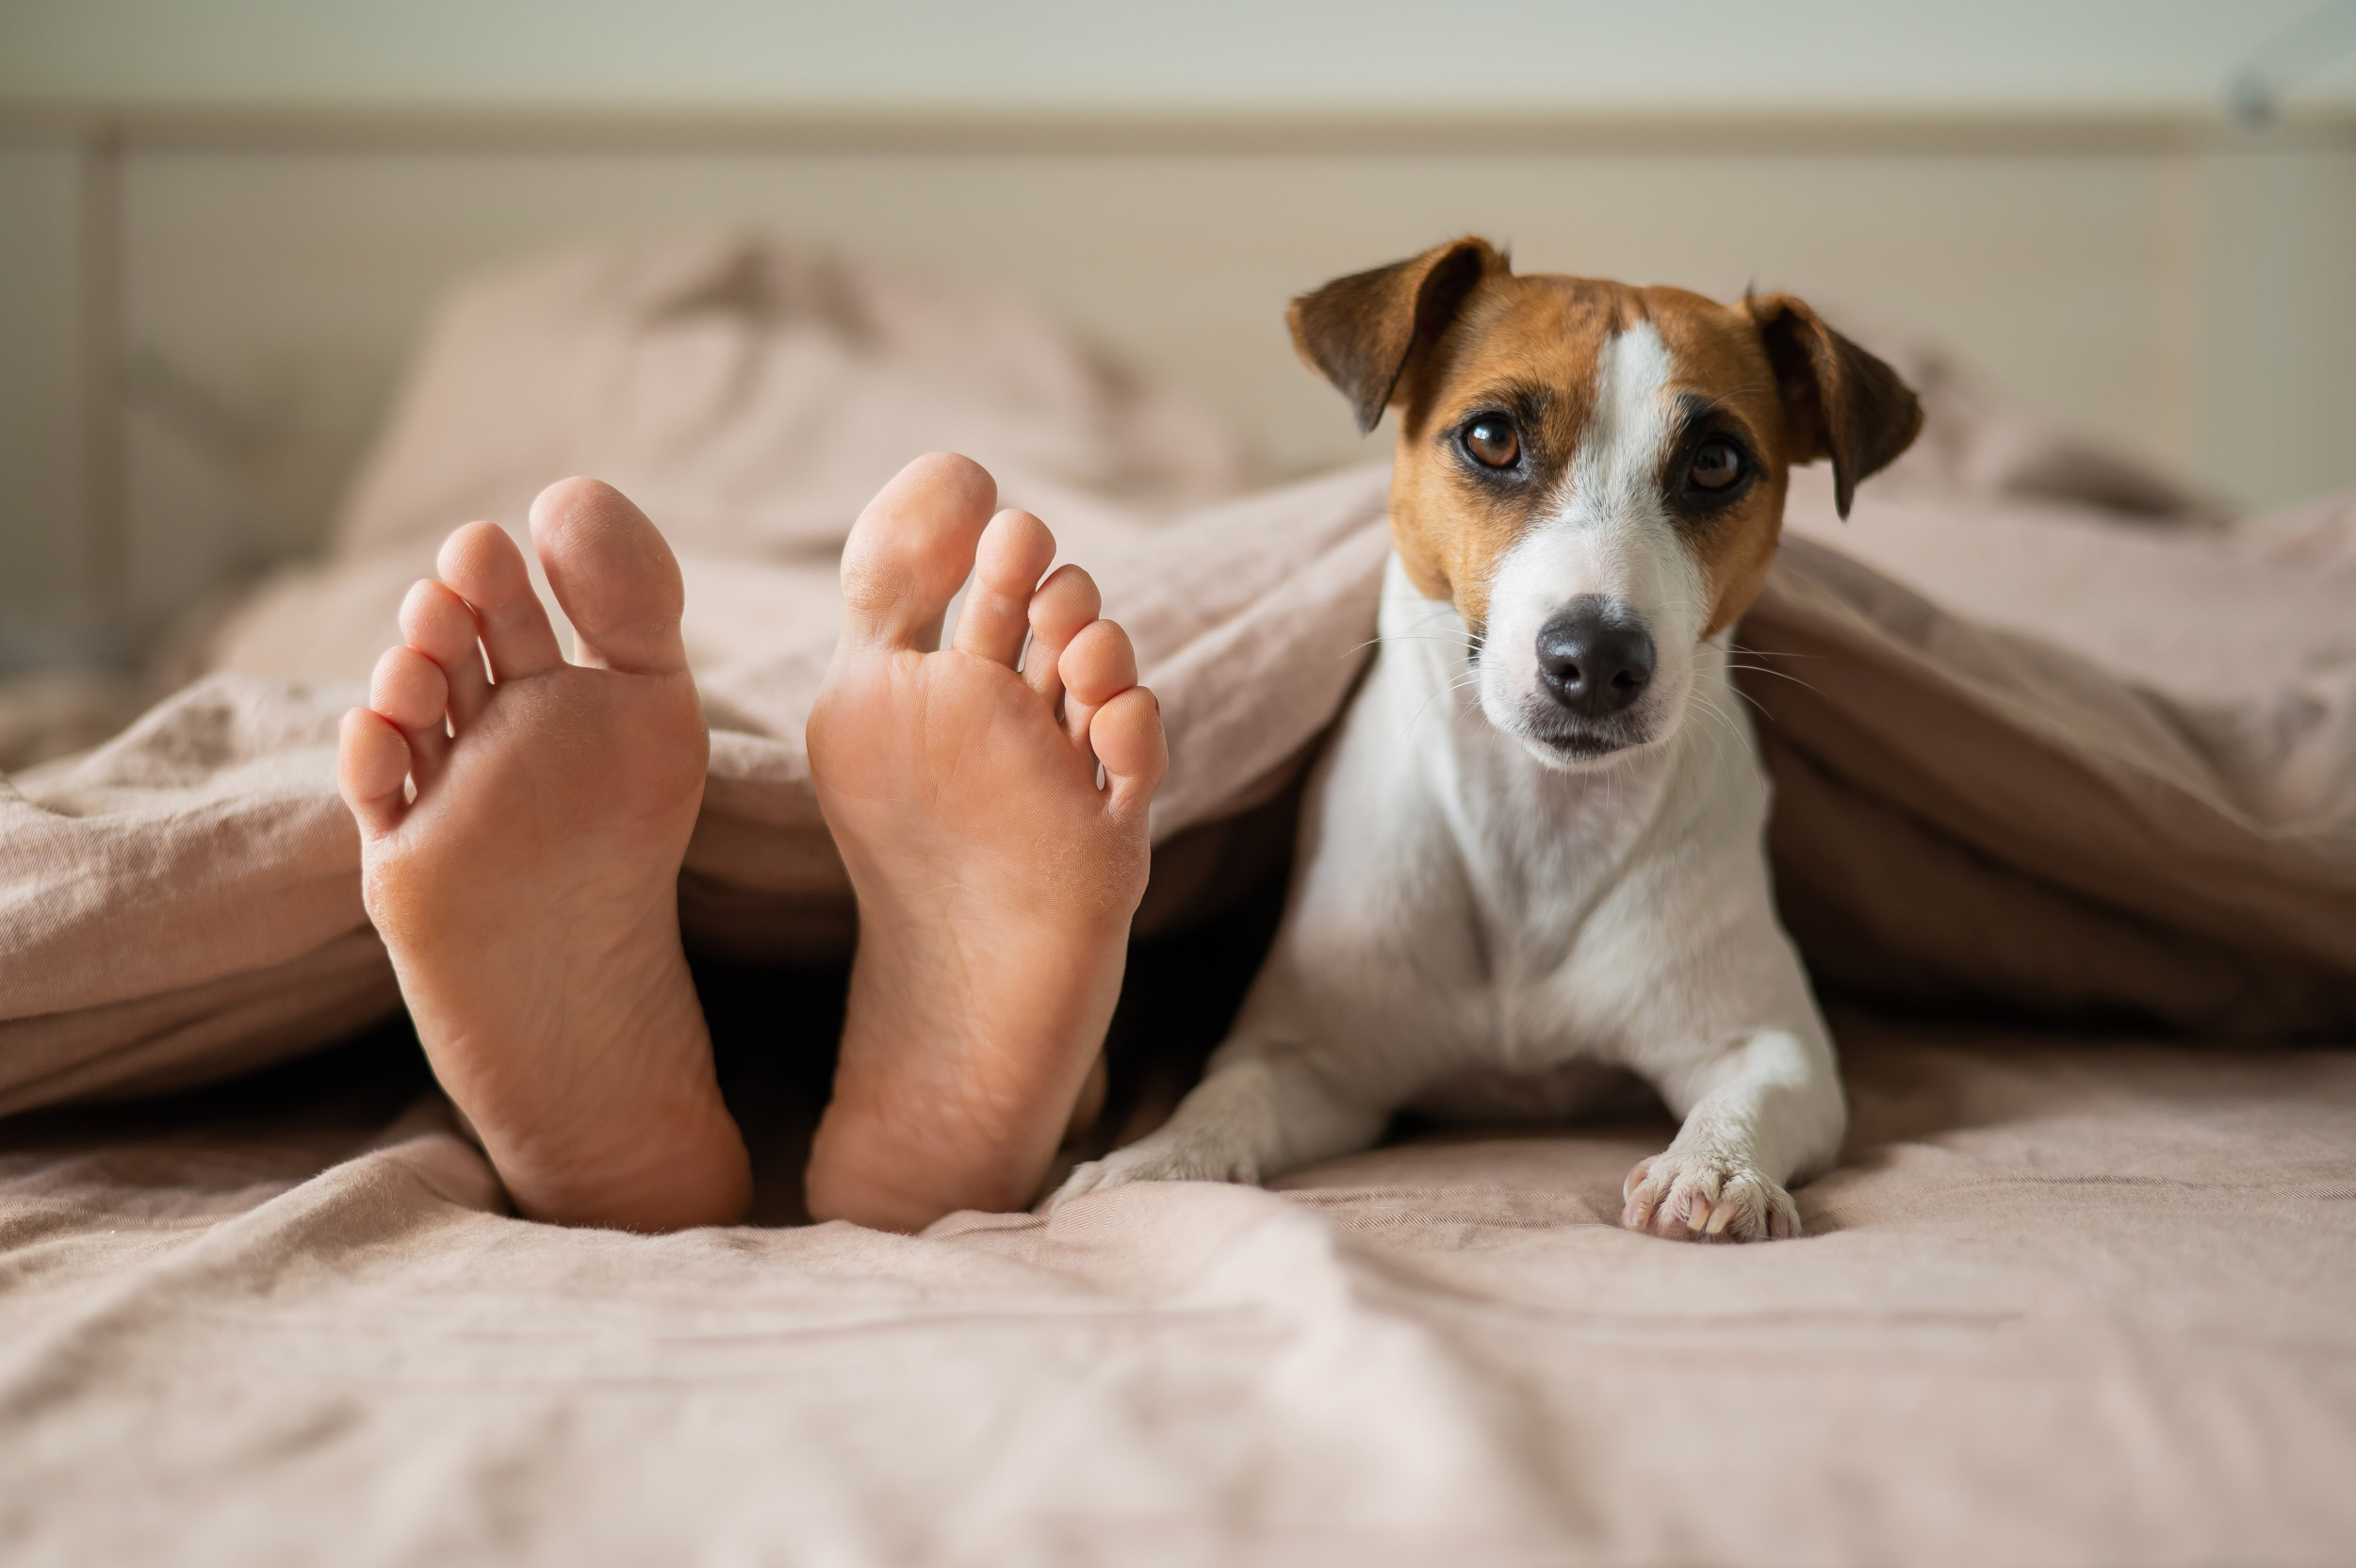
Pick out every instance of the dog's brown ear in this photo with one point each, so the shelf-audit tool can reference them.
(1839, 400)
(1359, 332)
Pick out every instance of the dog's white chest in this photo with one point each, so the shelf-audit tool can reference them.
(1541, 855)
(1569, 885)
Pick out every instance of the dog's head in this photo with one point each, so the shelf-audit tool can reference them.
(1593, 473)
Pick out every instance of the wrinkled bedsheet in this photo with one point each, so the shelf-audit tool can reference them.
(2064, 1303)
(2051, 740)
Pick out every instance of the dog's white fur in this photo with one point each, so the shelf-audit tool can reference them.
(1480, 923)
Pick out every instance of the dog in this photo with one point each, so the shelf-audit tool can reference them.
(1532, 859)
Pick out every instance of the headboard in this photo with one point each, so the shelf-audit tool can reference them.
(204, 313)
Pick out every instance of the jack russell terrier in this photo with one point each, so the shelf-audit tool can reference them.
(1533, 857)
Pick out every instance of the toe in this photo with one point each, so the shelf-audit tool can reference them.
(371, 764)
(1064, 605)
(435, 622)
(1127, 736)
(1014, 554)
(1640, 1197)
(487, 569)
(1097, 664)
(910, 550)
(1096, 667)
(615, 575)
(1693, 1199)
(410, 691)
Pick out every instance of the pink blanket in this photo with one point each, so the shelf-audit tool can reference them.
(2045, 734)
(2045, 737)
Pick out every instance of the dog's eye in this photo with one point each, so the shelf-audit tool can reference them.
(1716, 467)
(1493, 442)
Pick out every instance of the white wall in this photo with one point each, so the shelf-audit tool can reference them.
(45, 570)
(1287, 54)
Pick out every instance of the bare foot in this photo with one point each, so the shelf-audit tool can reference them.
(530, 891)
(995, 878)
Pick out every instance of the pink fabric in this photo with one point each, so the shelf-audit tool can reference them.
(2064, 1303)
(2044, 735)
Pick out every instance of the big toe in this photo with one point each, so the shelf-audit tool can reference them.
(615, 575)
(910, 551)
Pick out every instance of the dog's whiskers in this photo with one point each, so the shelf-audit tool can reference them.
(1399, 637)
(1779, 674)
(1461, 683)
(1747, 697)
(1711, 710)
(1740, 742)
(1438, 613)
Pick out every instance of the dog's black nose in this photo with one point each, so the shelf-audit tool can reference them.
(1593, 659)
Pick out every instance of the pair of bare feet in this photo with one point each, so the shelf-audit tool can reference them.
(523, 820)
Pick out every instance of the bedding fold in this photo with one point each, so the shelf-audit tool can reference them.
(2048, 734)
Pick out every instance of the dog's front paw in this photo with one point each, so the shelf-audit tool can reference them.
(1706, 1197)
(1197, 1159)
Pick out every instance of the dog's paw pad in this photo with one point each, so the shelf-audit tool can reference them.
(1701, 1198)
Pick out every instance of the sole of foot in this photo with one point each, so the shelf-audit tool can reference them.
(522, 822)
(990, 800)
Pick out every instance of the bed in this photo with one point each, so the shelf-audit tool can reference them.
(2065, 825)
